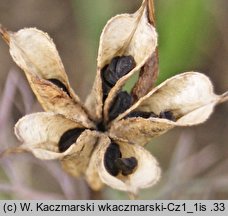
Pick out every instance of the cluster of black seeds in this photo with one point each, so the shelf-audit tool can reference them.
(111, 73)
(69, 138)
(166, 115)
(115, 164)
(60, 85)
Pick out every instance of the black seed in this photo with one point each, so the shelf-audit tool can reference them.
(124, 65)
(141, 114)
(121, 103)
(60, 85)
(112, 153)
(167, 115)
(126, 165)
(118, 67)
(109, 72)
(112, 66)
(106, 87)
(69, 138)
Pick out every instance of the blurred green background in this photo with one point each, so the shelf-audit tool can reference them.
(192, 36)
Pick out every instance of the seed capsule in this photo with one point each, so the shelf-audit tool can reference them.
(69, 138)
(167, 115)
(122, 102)
(60, 85)
(126, 165)
(112, 153)
(141, 114)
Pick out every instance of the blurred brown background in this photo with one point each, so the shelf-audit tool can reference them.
(192, 36)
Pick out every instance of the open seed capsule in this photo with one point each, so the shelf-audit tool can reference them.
(69, 138)
(60, 85)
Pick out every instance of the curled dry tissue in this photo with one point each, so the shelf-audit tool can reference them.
(103, 139)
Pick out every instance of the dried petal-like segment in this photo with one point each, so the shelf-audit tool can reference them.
(35, 52)
(94, 101)
(127, 34)
(147, 77)
(186, 99)
(145, 173)
(76, 161)
(151, 11)
(55, 100)
(92, 176)
(139, 130)
(149, 72)
(124, 35)
(181, 95)
(40, 133)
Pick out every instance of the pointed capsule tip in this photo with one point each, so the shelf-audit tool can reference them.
(4, 33)
(224, 97)
(151, 13)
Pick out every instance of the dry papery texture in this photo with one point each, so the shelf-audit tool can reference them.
(107, 151)
(123, 35)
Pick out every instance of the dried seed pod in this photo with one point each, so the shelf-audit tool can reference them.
(35, 53)
(111, 155)
(167, 115)
(69, 138)
(142, 114)
(126, 165)
(124, 35)
(121, 103)
(60, 85)
(146, 174)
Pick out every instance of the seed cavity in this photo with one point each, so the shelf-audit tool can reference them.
(60, 85)
(68, 138)
(167, 115)
(121, 103)
(164, 114)
(141, 114)
(101, 126)
(115, 164)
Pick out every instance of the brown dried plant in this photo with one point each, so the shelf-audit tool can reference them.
(103, 139)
